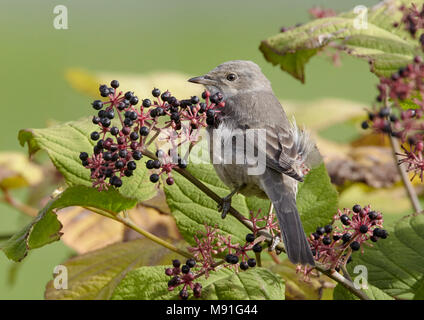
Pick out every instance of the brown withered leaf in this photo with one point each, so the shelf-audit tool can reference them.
(85, 231)
(371, 165)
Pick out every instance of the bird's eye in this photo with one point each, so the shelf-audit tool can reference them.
(231, 77)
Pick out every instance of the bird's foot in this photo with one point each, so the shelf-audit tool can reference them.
(224, 206)
(275, 241)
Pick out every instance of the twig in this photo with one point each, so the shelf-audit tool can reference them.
(130, 224)
(8, 199)
(404, 175)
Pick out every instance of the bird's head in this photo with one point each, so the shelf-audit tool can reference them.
(233, 77)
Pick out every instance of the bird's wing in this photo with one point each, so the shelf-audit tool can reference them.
(284, 140)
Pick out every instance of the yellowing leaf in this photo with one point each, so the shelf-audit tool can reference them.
(17, 171)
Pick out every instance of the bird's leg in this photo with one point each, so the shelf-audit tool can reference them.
(225, 204)
(275, 239)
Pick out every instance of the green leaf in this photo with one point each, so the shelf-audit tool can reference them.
(95, 275)
(45, 228)
(385, 47)
(317, 199)
(396, 264)
(341, 293)
(63, 143)
(150, 283)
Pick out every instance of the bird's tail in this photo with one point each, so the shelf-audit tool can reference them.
(284, 201)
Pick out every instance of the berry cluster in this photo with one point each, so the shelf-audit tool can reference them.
(183, 275)
(412, 19)
(404, 86)
(121, 139)
(211, 245)
(333, 244)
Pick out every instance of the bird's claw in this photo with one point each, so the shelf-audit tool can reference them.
(224, 207)
(275, 241)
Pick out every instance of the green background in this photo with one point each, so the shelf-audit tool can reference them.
(138, 37)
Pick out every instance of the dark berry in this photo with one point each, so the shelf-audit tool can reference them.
(96, 120)
(137, 155)
(105, 122)
(147, 103)
(345, 220)
(377, 232)
(315, 235)
(114, 84)
(126, 131)
(134, 145)
(210, 121)
(134, 100)
(175, 116)
(174, 281)
(182, 163)
(97, 104)
(170, 181)
(121, 106)
(326, 241)
(320, 231)
(365, 125)
(114, 131)
(83, 156)
(346, 237)
(128, 122)
(95, 136)
(115, 181)
(373, 215)
(154, 178)
(250, 237)
(156, 164)
(191, 263)
(257, 248)
(134, 136)
(210, 113)
(176, 263)
(374, 239)
(149, 164)
(244, 265)
(185, 269)
(363, 228)
(102, 114)
(144, 131)
(85, 163)
(355, 245)
(131, 165)
(128, 95)
(231, 258)
(128, 173)
(328, 228)
(169, 272)
(153, 113)
(119, 164)
(165, 96)
(105, 93)
(251, 262)
(184, 294)
(356, 208)
(156, 92)
(123, 153)
(383, 234)
(107, 156)
(110, 114)
(194, 100)
(133, 115)
(336, 237)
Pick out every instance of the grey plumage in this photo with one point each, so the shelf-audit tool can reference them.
(251, 104)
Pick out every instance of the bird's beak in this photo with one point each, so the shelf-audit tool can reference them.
(205, 80)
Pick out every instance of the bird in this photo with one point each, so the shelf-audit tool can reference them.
(251, 106)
